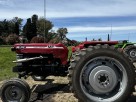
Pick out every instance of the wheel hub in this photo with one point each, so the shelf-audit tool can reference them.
(133, 53)
(102, 79)
(13, 93)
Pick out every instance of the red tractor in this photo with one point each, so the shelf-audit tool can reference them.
(97, 72)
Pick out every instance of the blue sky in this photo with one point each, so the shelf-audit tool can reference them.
(83, 18)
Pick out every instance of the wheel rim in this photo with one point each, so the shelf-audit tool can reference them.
(13, 93)
(103, 79)
(132, 53)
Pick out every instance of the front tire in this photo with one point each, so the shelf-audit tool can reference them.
(23, 82)
(15, 91)
(101, 74)
(131, 52)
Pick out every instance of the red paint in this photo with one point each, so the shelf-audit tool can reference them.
(57, 50)
(93, 43)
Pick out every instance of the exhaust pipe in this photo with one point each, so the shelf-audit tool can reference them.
(28, 59)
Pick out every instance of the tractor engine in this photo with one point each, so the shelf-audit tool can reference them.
(40, 59)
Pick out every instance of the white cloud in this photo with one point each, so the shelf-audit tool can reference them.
(20, 8)
(6, 3)
(23, 14)
(99, 29)
(73, 8)
(84, 8)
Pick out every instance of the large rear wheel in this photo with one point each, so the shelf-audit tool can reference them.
(101, 74)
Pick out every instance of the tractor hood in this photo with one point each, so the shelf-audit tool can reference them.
(38, 48)
(57, 50)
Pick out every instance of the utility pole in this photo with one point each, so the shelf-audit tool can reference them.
(111, 32)
(44, 18)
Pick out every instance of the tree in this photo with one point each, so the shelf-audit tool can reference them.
(93, 39)
(34, 24)
(7, 27)
(27, 30)
(30, 28)
(16, 19)
(99, 39)
(17, 22)
(10, 26)
(1, 28)
(35, 27)
(43, 27)
(34, 18)
(62, 33)
(52, 35)
(16, 28)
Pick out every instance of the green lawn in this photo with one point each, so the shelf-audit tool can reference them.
(6, 58)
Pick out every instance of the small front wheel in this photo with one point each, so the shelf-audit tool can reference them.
(14, 91)
(131, 52)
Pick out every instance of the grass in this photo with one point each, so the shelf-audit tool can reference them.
(6, 58)
(70, 51)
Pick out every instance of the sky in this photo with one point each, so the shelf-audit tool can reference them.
(83, 18)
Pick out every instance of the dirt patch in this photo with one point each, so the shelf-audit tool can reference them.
(54, 89)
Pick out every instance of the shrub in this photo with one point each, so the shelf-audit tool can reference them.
(37, 39)
(12, 39)
(2, 41)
